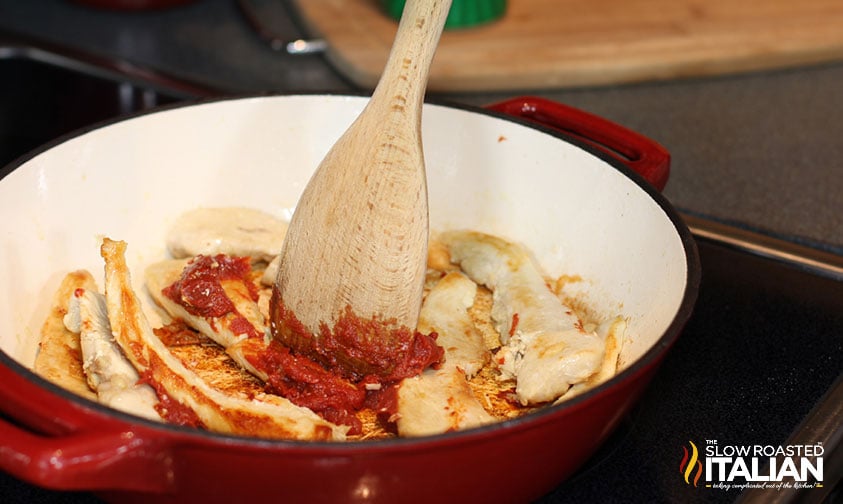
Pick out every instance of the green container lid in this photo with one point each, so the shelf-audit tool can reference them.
(463, 13)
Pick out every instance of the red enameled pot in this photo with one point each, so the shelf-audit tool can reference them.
(580, 192)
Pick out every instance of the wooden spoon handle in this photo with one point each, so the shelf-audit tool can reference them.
(404, 79)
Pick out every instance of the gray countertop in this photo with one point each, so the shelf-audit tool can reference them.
(762, 151)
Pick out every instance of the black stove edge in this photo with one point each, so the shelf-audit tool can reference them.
(815, 261)
(13, 44)
(824, 423)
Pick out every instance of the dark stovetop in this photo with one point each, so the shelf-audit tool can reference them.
(764, 344)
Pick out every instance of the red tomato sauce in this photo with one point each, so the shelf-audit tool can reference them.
(357, 347)
(306, 383)
(361, 362)
(199, 290)
(356, 364)
(171, 410)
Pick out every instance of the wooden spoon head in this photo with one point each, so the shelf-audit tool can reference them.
(358, 236)
(351, 276)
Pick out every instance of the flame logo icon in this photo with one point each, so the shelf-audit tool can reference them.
(689, 463)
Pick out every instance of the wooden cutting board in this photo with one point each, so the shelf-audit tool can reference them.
(564, 43)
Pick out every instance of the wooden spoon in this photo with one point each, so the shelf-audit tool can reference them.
(358, 237)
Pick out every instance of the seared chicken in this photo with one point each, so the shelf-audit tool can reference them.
(438, 401)
(59, 357)
(612, 333)
(224, 330)
(262, 415)
(544, 347)
(441, 400)
(231, 230)
(511, 342)
(109, 373)
(445, 311)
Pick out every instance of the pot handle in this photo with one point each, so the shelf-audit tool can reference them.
(641, 154)
(102, 455)
(110, 460)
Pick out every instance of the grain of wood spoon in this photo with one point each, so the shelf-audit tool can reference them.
(358, 236)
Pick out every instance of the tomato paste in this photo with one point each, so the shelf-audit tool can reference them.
(170, 409)
(356, 347)
(200, 291)
(306, 383)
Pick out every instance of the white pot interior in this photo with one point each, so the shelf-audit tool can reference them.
(130, 180)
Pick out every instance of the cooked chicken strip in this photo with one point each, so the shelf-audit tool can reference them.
(441, 400)
(271, 272)
(545, 348)
(245, 351)
(232, 230)
(108, 371)
(224, 330)
(445, 311)
(438, 401)
(612, 333)
(59, 357)
(264, 415)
